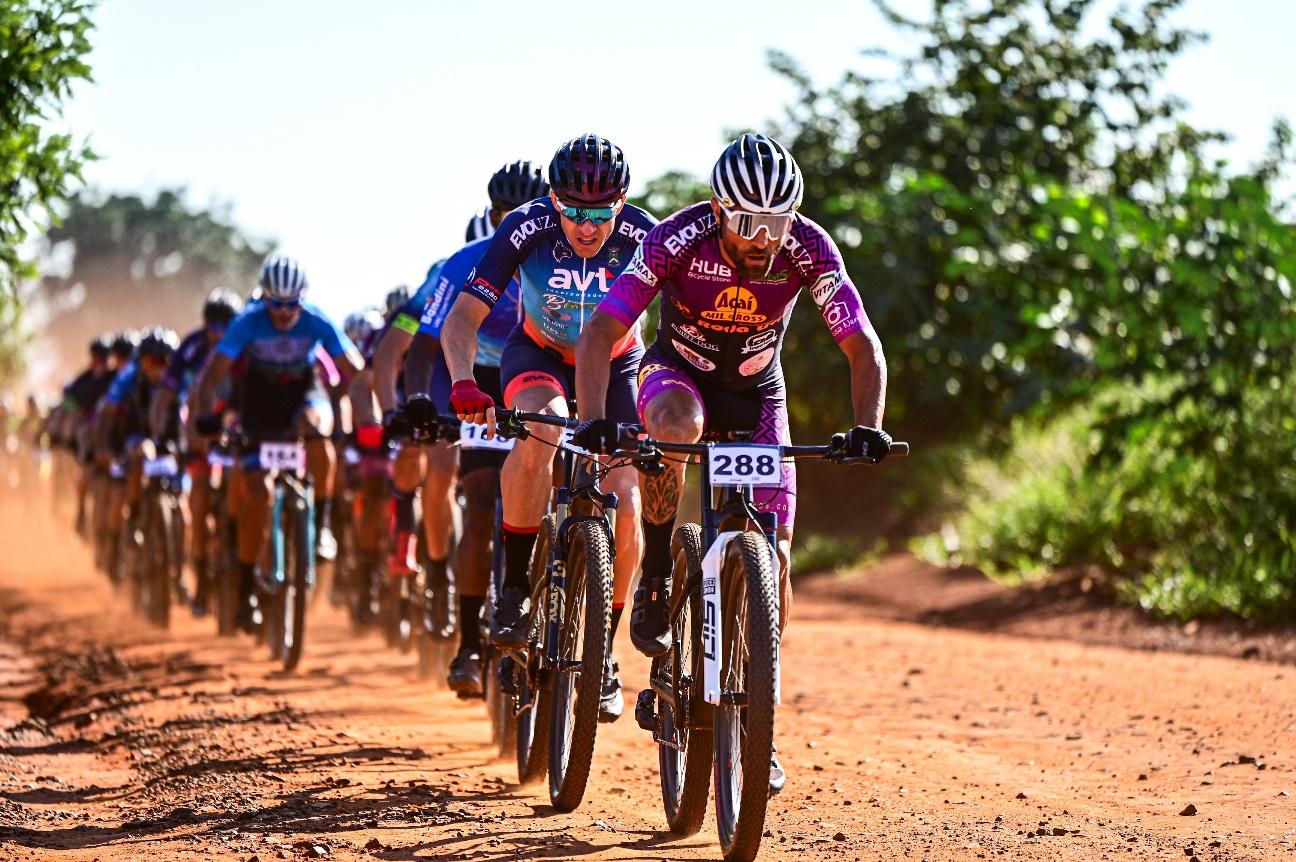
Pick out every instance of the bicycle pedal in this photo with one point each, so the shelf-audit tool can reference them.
(646, 710)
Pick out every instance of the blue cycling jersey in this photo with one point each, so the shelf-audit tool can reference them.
(124, 385)
(559, 289)
(407, 319)
(285, 356)
(501, 321)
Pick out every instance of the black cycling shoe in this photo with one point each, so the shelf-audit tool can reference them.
(650, 619)
(611, 701)
(512, 613)
(646, 710)
(506, 670)
(465, 677)
(778, 778)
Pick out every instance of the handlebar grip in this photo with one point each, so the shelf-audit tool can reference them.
(898, 450)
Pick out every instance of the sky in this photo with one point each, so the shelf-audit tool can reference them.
(360, 135)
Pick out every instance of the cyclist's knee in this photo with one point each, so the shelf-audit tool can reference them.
(675, 415)
(256, 489)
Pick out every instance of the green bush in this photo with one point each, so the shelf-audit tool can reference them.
(1186, 535)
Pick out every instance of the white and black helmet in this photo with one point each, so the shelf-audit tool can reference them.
(757, 174)
(479, 227)
(282, 278)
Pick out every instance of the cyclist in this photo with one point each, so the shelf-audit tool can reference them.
(281, 394)
(121, 429)
(566, 248)
(73, 412)
(509, 187)
(729, 271)
(218, 311)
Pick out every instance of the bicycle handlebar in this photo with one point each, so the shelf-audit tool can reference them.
(512, 423)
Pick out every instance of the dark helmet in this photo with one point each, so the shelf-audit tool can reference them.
(221, 307)
(589, 170)
(100, 345)
(396, 299)
(123, 344)
(516, 183)
(479, 227)
(757, 174)
(159, 343)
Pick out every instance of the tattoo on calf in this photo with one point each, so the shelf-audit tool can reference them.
(661, 495)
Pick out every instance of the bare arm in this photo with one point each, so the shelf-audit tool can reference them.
(204, 389)
(160, 411)
(419, 362)
(360, 394)
(459, 335)
(594, 361)
(868, 376)
(386, 366)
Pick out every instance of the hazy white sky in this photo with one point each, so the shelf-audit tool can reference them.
(361, 134)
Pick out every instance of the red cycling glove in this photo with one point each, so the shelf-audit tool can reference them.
(468, 402)
(369, 437)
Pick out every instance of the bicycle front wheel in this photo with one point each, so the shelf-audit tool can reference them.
(296, 590)
(684, 727)
(744, 728)
(575, 689)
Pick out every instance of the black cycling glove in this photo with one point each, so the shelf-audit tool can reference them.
(419, 412)
(396, 426)
(865, 442)
(597, 435)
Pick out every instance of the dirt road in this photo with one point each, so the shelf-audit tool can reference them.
(901, 742)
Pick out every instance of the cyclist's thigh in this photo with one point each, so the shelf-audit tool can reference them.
(667, 397)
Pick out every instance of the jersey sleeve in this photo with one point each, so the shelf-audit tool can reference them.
(121, 385)
(439, 304)
(334, 341)
(830, 287)
(408, 319)
(173, 379)
(637, 285)
(509, 246)
(238, 335)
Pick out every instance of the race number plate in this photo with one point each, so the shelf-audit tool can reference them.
(474, 437)
(164, 466)
(745, 464)
(288, 457)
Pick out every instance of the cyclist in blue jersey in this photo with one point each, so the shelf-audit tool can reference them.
(428, 385)
(566, 248)
(219, 309)
(278, 336)
(121, 429)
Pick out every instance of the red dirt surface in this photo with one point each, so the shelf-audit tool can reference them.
(987, 732)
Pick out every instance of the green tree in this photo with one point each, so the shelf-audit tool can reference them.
(137, 262)
(43, 45)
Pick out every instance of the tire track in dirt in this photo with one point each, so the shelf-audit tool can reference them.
(901, 741)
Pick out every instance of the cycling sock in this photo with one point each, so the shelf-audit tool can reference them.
(617, 608)
(657, 549)
(324, 514)
(469, 618)
(404, 510)
(518, 542)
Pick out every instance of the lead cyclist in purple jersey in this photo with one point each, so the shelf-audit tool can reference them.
(729, 271)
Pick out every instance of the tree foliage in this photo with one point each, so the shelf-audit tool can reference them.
(127, 253)
(1030, 223)
(43, 45)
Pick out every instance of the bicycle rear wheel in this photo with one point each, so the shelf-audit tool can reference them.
(528, 710)
(744, 731)
(684, 729)
(574, 692)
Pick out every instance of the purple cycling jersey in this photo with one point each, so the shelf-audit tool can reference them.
(727, 328)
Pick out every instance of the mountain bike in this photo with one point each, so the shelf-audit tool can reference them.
(561, 666)
(222, 541)
(710, 702)
(157, 540)
(287, 574)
